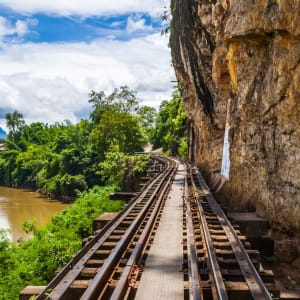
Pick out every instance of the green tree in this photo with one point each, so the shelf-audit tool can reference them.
(147, 116)
(120, 127)
(8, 164)
(35, 133)
(122, 100)
(112, 169)
(61, 158)
(121, 170)
(28, 164)
(171, 127)
(14, 122)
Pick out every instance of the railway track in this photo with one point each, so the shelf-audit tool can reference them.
(218, 263)
(102, 268)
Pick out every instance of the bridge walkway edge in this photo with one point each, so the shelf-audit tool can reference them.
(162, 278)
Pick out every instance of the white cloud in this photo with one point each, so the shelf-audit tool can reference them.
(51, 82)
(137, 24)
(20, 28)
(86, 7)
(5, 27)
(8, 28)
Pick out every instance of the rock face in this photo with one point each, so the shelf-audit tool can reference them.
(238, 67)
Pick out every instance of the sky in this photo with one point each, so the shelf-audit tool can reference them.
(54, 53)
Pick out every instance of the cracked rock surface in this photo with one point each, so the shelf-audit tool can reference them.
(238, 62)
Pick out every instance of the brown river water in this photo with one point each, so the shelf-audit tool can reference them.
(17, 206)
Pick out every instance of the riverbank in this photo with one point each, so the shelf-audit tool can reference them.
(33, 262)
(20, 205)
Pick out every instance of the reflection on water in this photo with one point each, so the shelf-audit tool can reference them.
(17, 206)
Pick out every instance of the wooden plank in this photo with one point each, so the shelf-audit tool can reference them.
(30, 291)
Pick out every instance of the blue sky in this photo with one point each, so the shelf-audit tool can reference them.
(53, 28)
(53, 54)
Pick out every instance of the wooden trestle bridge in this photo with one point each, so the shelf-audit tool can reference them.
(171, 241)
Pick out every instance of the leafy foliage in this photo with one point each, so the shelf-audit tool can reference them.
(171, 127)
(147, 116)
(63, 159)
(120, 128)
(34, 262)
(14, 122)
(116, 167)
(121, 100)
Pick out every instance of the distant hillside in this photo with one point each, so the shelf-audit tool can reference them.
(2, 134)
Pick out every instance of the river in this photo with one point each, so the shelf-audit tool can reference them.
(17, 206)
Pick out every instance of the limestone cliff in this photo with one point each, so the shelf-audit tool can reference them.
(238, 67)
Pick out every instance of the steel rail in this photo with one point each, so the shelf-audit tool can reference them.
(134, 259)
(219, 286)
(61, 283)
(98, 282)
(194, 277)
(256, 286)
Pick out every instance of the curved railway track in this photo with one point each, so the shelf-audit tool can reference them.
(100, 270)
(218, 261)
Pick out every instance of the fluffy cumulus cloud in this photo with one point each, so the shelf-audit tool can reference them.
(86, 7)
(137, 23)
(51, 82)
(49, 78)
(20, 28)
